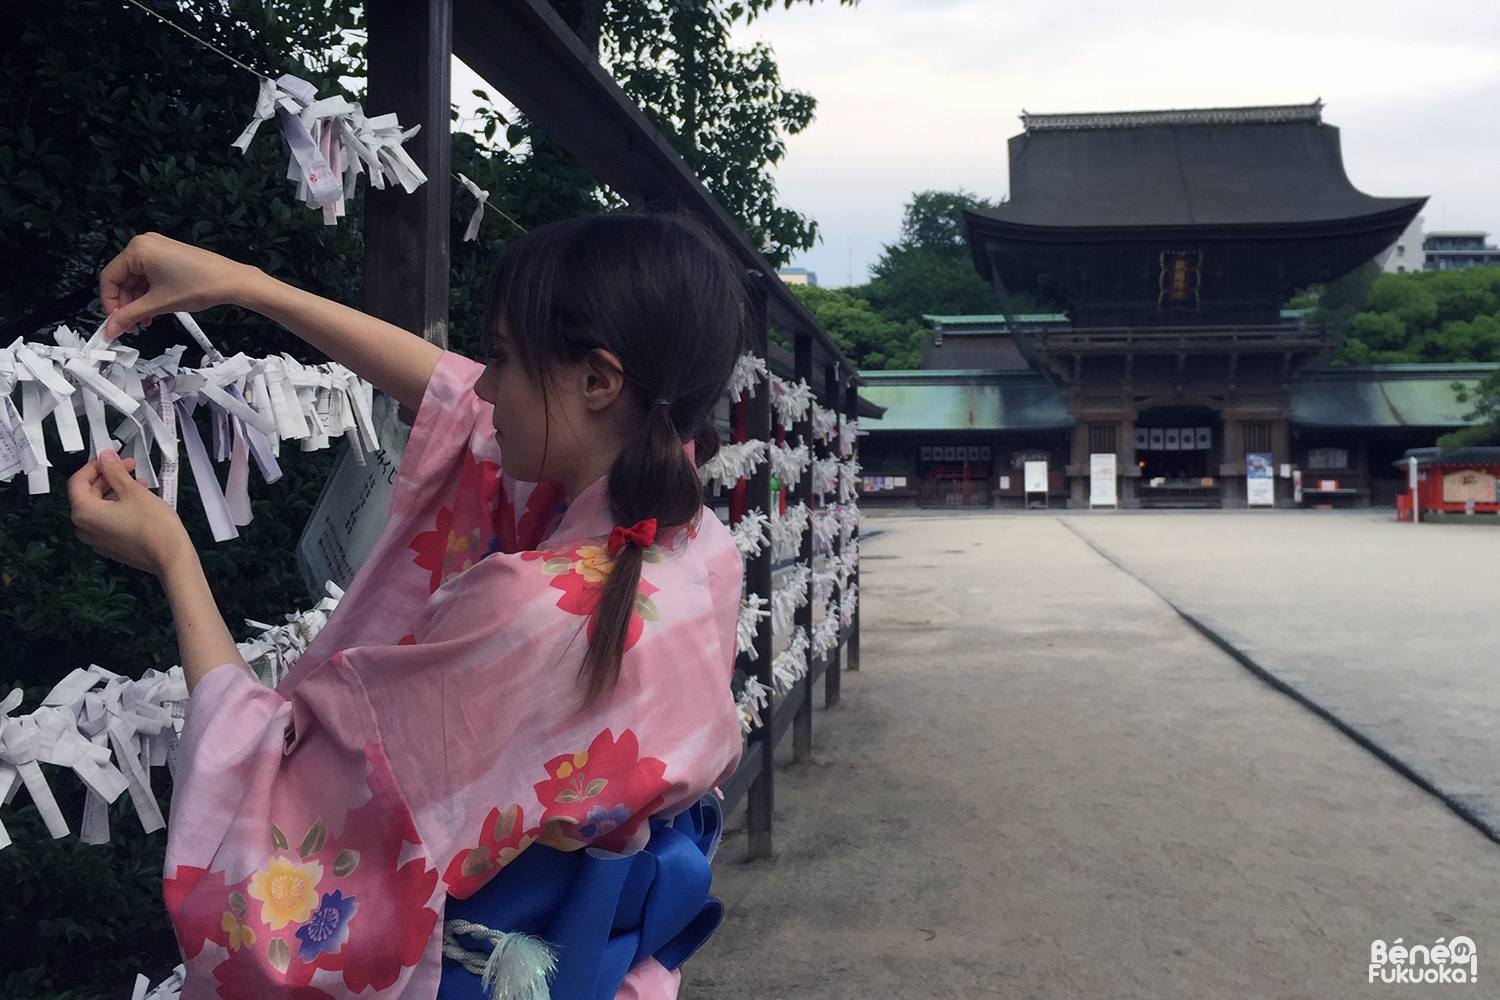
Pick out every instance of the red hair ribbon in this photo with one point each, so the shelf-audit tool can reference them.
(643, 533)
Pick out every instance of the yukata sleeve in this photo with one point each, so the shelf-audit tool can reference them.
(292, 859)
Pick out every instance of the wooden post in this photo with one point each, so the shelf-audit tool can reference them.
(802, 360)
(851, 649)
(406, 235)
(833, 398)
(760, 801)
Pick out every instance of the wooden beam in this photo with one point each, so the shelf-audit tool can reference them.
(528, 53)
(406, 235)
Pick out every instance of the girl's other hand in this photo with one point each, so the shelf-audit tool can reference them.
(119, 518)
(155, 275)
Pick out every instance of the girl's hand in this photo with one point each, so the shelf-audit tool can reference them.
(155, 275)
(119, 518)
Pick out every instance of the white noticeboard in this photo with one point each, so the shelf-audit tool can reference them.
(351, 512)
(1036, 477)
(1102, 473)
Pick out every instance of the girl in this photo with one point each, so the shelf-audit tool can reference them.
(535, 659)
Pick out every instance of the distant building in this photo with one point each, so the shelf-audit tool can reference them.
(1406, 253)
(1416, 250)
(1169, 241)
(1455, 251)
(797, 276)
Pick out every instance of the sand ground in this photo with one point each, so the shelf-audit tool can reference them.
(1045, 783)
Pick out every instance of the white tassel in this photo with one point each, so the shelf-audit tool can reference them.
(516, 968)
(789, 595)
(749, 370)
(753, 611)
(788, 463)
(787, 531)
(791, 666)
(733, 463)
(749, 533)
(790, 399)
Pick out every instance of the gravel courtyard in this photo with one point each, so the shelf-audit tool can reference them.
(1046, 783)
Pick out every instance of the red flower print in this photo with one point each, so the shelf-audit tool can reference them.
(502, 836)
(579, 571)
(606, 791)
(542, 506)
(464, 533)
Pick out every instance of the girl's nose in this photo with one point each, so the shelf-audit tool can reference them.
(485, 387)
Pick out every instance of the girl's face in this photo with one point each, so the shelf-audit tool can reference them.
(522, 421)
(571, 435)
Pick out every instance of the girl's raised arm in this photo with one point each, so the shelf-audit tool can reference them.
(154, 275)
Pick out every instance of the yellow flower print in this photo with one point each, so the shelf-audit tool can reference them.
(240, 936)
(594, 563)
(287, 894)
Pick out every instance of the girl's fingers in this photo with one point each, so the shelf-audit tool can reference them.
(116, 473)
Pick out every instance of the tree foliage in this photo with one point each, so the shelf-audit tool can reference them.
(113, 124)
(869, 339)
(1421, 316)
(927, 272)
(723, 108)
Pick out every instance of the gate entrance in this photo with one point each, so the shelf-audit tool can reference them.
(1177, 450)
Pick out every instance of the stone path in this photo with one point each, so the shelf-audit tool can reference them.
(1044, 783)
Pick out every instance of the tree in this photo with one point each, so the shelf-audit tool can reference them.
(723, 108)
(112, 124)
(870, 340)
(1422, 316)
(930, 271)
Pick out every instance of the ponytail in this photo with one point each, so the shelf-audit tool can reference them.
(652, 479)
(660, 293)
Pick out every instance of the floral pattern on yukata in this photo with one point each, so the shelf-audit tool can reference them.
(483, 520)
(296, 914)
(597, 797)
(580, 569)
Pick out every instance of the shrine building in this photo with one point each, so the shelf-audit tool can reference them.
(1167, 242)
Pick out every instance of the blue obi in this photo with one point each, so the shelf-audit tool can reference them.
(601, 914)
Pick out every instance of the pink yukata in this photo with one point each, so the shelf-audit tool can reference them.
(435, 729)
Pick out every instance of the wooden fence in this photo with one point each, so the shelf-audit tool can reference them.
(528, 53)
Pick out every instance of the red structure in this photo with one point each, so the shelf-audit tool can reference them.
(1461, 481)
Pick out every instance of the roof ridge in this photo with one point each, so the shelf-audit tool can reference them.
(1269, 114)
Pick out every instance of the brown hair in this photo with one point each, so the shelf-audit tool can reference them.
(664, 296)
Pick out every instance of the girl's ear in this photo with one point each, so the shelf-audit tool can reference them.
(603, 379)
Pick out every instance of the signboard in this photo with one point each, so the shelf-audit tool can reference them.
(1102, 480)
(1036, 477)
(1468, 486)
(351, 512)
(1260, 479)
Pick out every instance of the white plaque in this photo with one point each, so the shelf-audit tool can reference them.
(1036, 477)
(1102, 480)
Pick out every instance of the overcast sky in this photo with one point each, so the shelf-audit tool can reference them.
(923, 94)
(918, 94)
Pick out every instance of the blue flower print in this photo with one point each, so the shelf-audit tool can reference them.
(600, 821)
(328, 927)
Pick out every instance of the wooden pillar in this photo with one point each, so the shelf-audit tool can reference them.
(760, 801)
(833, 395)
(406, 235)
(851, 648)
(802, 362)
(1130, 473)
